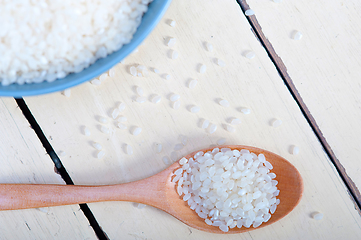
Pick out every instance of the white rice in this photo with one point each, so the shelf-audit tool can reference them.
(224, 103)
(209, 47)
(176, 105)
(297, 36)
(295, 150)
(128, 149)
(246, 110)
(121, 126)
(205, 123)
(317, 215)
(158, 147)
(249, 12)
(166, 160)
(139, 91)
(202, 69)
(195, 109)
(192, 83)
(105, 129)
(174, 97)
(168, 77)
(230, 128)
(178, 147)
(250, 55)
(228, 188)
(66, 92)
(122, 119)
(95, 82)
(121, 107)
(103, 120)
(221, 141)
(183, 139)
(212, 128)
(97, 146)
(171, 42)
(136, 131)
(236, 121)
(276, 122)
(174, 156)
(112, 72)
(86, 131)
(115, 113)
(156, 99)
(100, 154)
(175, 54)
(156, 70)
(172, 23)
(62, 153)
(45, 40)
(103, 76)
(220, 62)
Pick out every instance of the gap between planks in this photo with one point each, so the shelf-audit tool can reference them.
(282, 70)
(59, 166)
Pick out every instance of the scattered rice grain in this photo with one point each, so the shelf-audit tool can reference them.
(250, 55)
(112, 72)
(86, 131)
(141, 99)
(176, 105)
(171, 42)
(105, 129)
(174, 97)
(67, 92)
(103, 76)
(212, 128)
(121, 125)
(136, 131)
(96, 82)
(249, 12)
(166, 160)
(202, 69)
(139, 91)
(158, 147)
(195, 109)
(205, 123)
(230, 128)
(276, 122)
(246, 110)
(224, 103)
(172, 23)
(128, 149)
(115, 113)
(97, 146)
(103, 120)
(295, 150)
(221, 63)
(100, 154)
(236, 121)
(297, 36)
(317, 215)
(156, 99)
(209, 47)
(221, 141)
(168, 77)
(192, 83)
(121, 107)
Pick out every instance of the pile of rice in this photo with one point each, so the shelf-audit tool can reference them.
(228, 188)
(45, 40)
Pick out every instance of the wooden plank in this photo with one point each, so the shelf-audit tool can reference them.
(316, 68)
(23, 160)
(252, 83)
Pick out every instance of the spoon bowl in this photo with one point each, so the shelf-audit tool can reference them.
(157, 191)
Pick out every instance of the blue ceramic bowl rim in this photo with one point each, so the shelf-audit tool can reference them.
(150, 19)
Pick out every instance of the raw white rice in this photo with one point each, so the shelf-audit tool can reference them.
(202, 68)
(171, 42)
(192, 83)
(95, 82)
(172, 23)
(112, 72)
(175, 54)
(158, 147)
(178, 146)
(295, 150)
(97, 146)
(62, 153)
(249, 12)
(140, 205)
(156, 99)
(228, 188)
(220, 62)
(246, 110)
(121, 126)
(115, 113)
(174, 156)
(250, 55)
(156, 70)
(133, 71)
(212, 128)
(100, 154)
(103, 76)
(166, 160)
(122, 119)
(168, 77)
(195, 109)
(205, 123)
(139, 91)
(141, 99)
(276, 123)
(230, 128)
(66, 92)
(46, 40)
(128, 149)
(136, 131)
(183, 139)
(86, 131)
(105, 129)
(297, 36)
(174, 97)
(176, 105)
(209, 47)
(121, 107)
(221, 141)
(317, 215)
(224, 103)
(236, 121)
(103, 120)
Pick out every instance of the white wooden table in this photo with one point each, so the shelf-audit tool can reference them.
(323, 67)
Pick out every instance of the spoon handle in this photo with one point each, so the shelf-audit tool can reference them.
(23, 196)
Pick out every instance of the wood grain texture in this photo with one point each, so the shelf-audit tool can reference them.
(252, 83)
(325, 69)
(23, 160)
(157, 191)
(282, 69)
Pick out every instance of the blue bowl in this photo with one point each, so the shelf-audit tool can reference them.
(150, 19)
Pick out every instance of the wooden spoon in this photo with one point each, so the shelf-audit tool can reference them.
(157, 191)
